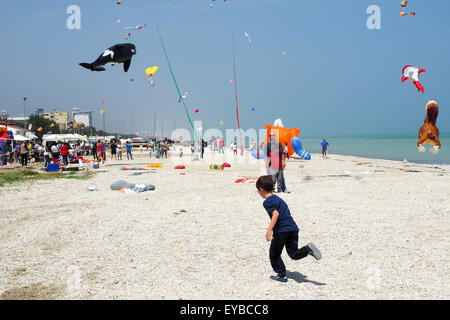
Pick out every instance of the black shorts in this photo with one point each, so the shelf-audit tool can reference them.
(113, 152)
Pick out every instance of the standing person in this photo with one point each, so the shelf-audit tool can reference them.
(55, 152)
(150, 150)
(282, 230)
(100, 151)
(192, 148)
(129, 147)
(275, 162)
(286, 150)
(221, 143)
(46, 156)
(65, 153)
(325, 145)
(235, 148)
(94, 150)
(119, 150)
(203, 147)
(23, 154)
(113, 150)
(141, 148)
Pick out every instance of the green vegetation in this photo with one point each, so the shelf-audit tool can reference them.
(30, 175)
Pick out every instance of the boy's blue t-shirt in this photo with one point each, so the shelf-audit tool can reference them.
(325, 145)
(128, 145)
(285, 222)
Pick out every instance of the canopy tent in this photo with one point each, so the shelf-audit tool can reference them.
(18, 137)
(63, 138)
(30, 135)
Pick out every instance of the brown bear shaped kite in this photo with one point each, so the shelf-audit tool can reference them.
(428, 132)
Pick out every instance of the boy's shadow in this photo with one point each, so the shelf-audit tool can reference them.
(300, 278)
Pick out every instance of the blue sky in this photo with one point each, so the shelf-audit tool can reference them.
(337, 77)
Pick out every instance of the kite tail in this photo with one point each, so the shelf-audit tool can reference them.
(176, 84)
(235, 94)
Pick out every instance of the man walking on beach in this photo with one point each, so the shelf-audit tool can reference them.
(325, 145)
(129, 147)
(275, 162)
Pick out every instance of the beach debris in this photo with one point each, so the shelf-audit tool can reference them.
(182, 210)
(180, 167)
(411, 74)
(428, 132)
(246, 180)
(155, 165)
(93, 188)
(133, 169)
(126, 187)
(215, 166)
(119, 53)
(347, 173)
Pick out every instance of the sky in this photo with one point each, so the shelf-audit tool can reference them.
(336, 77)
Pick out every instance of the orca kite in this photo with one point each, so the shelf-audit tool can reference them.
(120, 53)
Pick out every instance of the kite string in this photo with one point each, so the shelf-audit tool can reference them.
(235, 94)
(175, 81)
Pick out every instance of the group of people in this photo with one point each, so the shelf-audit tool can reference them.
(23, 152)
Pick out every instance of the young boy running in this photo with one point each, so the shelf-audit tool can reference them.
(282, 231)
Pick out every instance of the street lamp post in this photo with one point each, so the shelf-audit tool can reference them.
(25, 108)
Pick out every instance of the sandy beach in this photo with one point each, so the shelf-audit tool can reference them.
(382, 226)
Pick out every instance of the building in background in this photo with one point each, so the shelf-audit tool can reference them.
(58, 117)
(84, 117)
(40, 112)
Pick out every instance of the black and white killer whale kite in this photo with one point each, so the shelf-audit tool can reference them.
(120, 53)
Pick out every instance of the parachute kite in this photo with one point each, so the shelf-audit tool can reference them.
(248, 37)
(150, 72)
(411, 74)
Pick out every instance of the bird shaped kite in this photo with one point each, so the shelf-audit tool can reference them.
(411, 74)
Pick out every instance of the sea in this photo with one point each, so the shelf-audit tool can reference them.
(389, 147)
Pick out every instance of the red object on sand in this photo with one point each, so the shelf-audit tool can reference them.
(226, 165)
(180, 167)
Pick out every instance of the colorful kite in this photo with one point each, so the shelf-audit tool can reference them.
(150, 72)
(411, 74)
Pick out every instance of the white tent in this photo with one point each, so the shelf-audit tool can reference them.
(30, 135)
(18, 137)
(63, 138)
